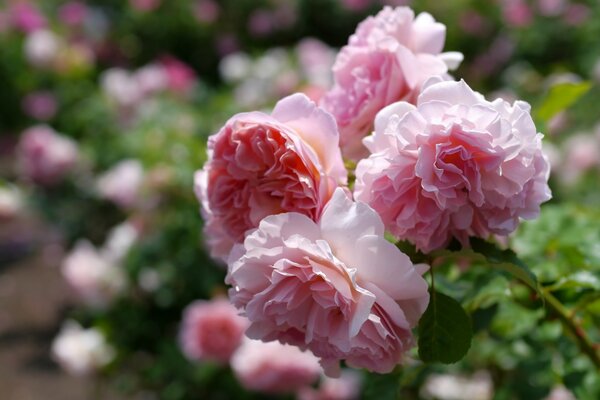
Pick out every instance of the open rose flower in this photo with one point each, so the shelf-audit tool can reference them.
(386, 60)
(454, 165)
(273, 367)
(336, 287)
(211, 330)
(262, 164)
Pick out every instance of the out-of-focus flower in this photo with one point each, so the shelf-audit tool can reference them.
(227, 43)
(75, 58)
(316, 60)
(336, 287)
(149, 279)
(206, 11)
(263, 164)
(120, 240)
(26, 17)
(72, 13)
(81, 351)
(386, 60)
(582, 153)
(456, 165)
(122, 183)
(45, 157)
(235, 67)
(473, 23)
(120, 87)
(261, 23)
(40, 105)
(180, 77)
(42, 48)
(560, 392)
(456, 387)
(356, 5)
(95, 279)
(274, 367)
(11, 202)
(551, 8)
(346, 387)
(144, 5)
(151, 79)
(576, 14)
(517, 13)
(211, 330)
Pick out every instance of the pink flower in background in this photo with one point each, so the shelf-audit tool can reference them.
(206, 11)
(274, 367)
(144, 5)
(582, 153)
(40, 105)
(262, 164)
(356, 5)
(517, 13)
(180, 77)
(45, 157)
(316, 60)
(211, 330)
(121, 87)
(95, 279)
(42, 48)
(551, 8)
(26, 17)
(151, 79)
(72, 13)
(346, 387)
(388, 59)
(576, 14)
(122, 184)
(336, 287)
(454, 165)
(261, 23)
(81, 351)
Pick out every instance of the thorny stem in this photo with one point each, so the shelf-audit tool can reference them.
(584, 342)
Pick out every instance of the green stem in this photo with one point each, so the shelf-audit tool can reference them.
(583, 341)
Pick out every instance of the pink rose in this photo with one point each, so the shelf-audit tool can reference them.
(180, 77)
(45, 156)
(274, 367)
(388, 59)
(123, 183)
(94, 277)
(262, 164)
(454, 165)
(336, 287)
(211, 330)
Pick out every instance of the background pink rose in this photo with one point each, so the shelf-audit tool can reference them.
(455, 165)
(261, 165)
(336, 287)
(211, 330)
(388, 59)
(46, 157)
(274, 367)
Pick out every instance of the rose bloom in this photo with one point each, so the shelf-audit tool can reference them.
(211, 330)
(122, 183)
(42, 48)
(81, 351)
(95, 279)
(388, 59)
(454, 165)
(46, 157)
(336, 287)
(261, 164)
(274, 367)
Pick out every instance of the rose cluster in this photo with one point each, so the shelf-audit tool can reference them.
(308, 261)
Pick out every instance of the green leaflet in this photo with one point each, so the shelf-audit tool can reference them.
(445, 330)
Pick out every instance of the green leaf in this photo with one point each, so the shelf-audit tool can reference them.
(505, 260)
(445, 330)
(561, 97)
(578, 280)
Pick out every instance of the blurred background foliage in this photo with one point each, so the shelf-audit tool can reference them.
(236, 55)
